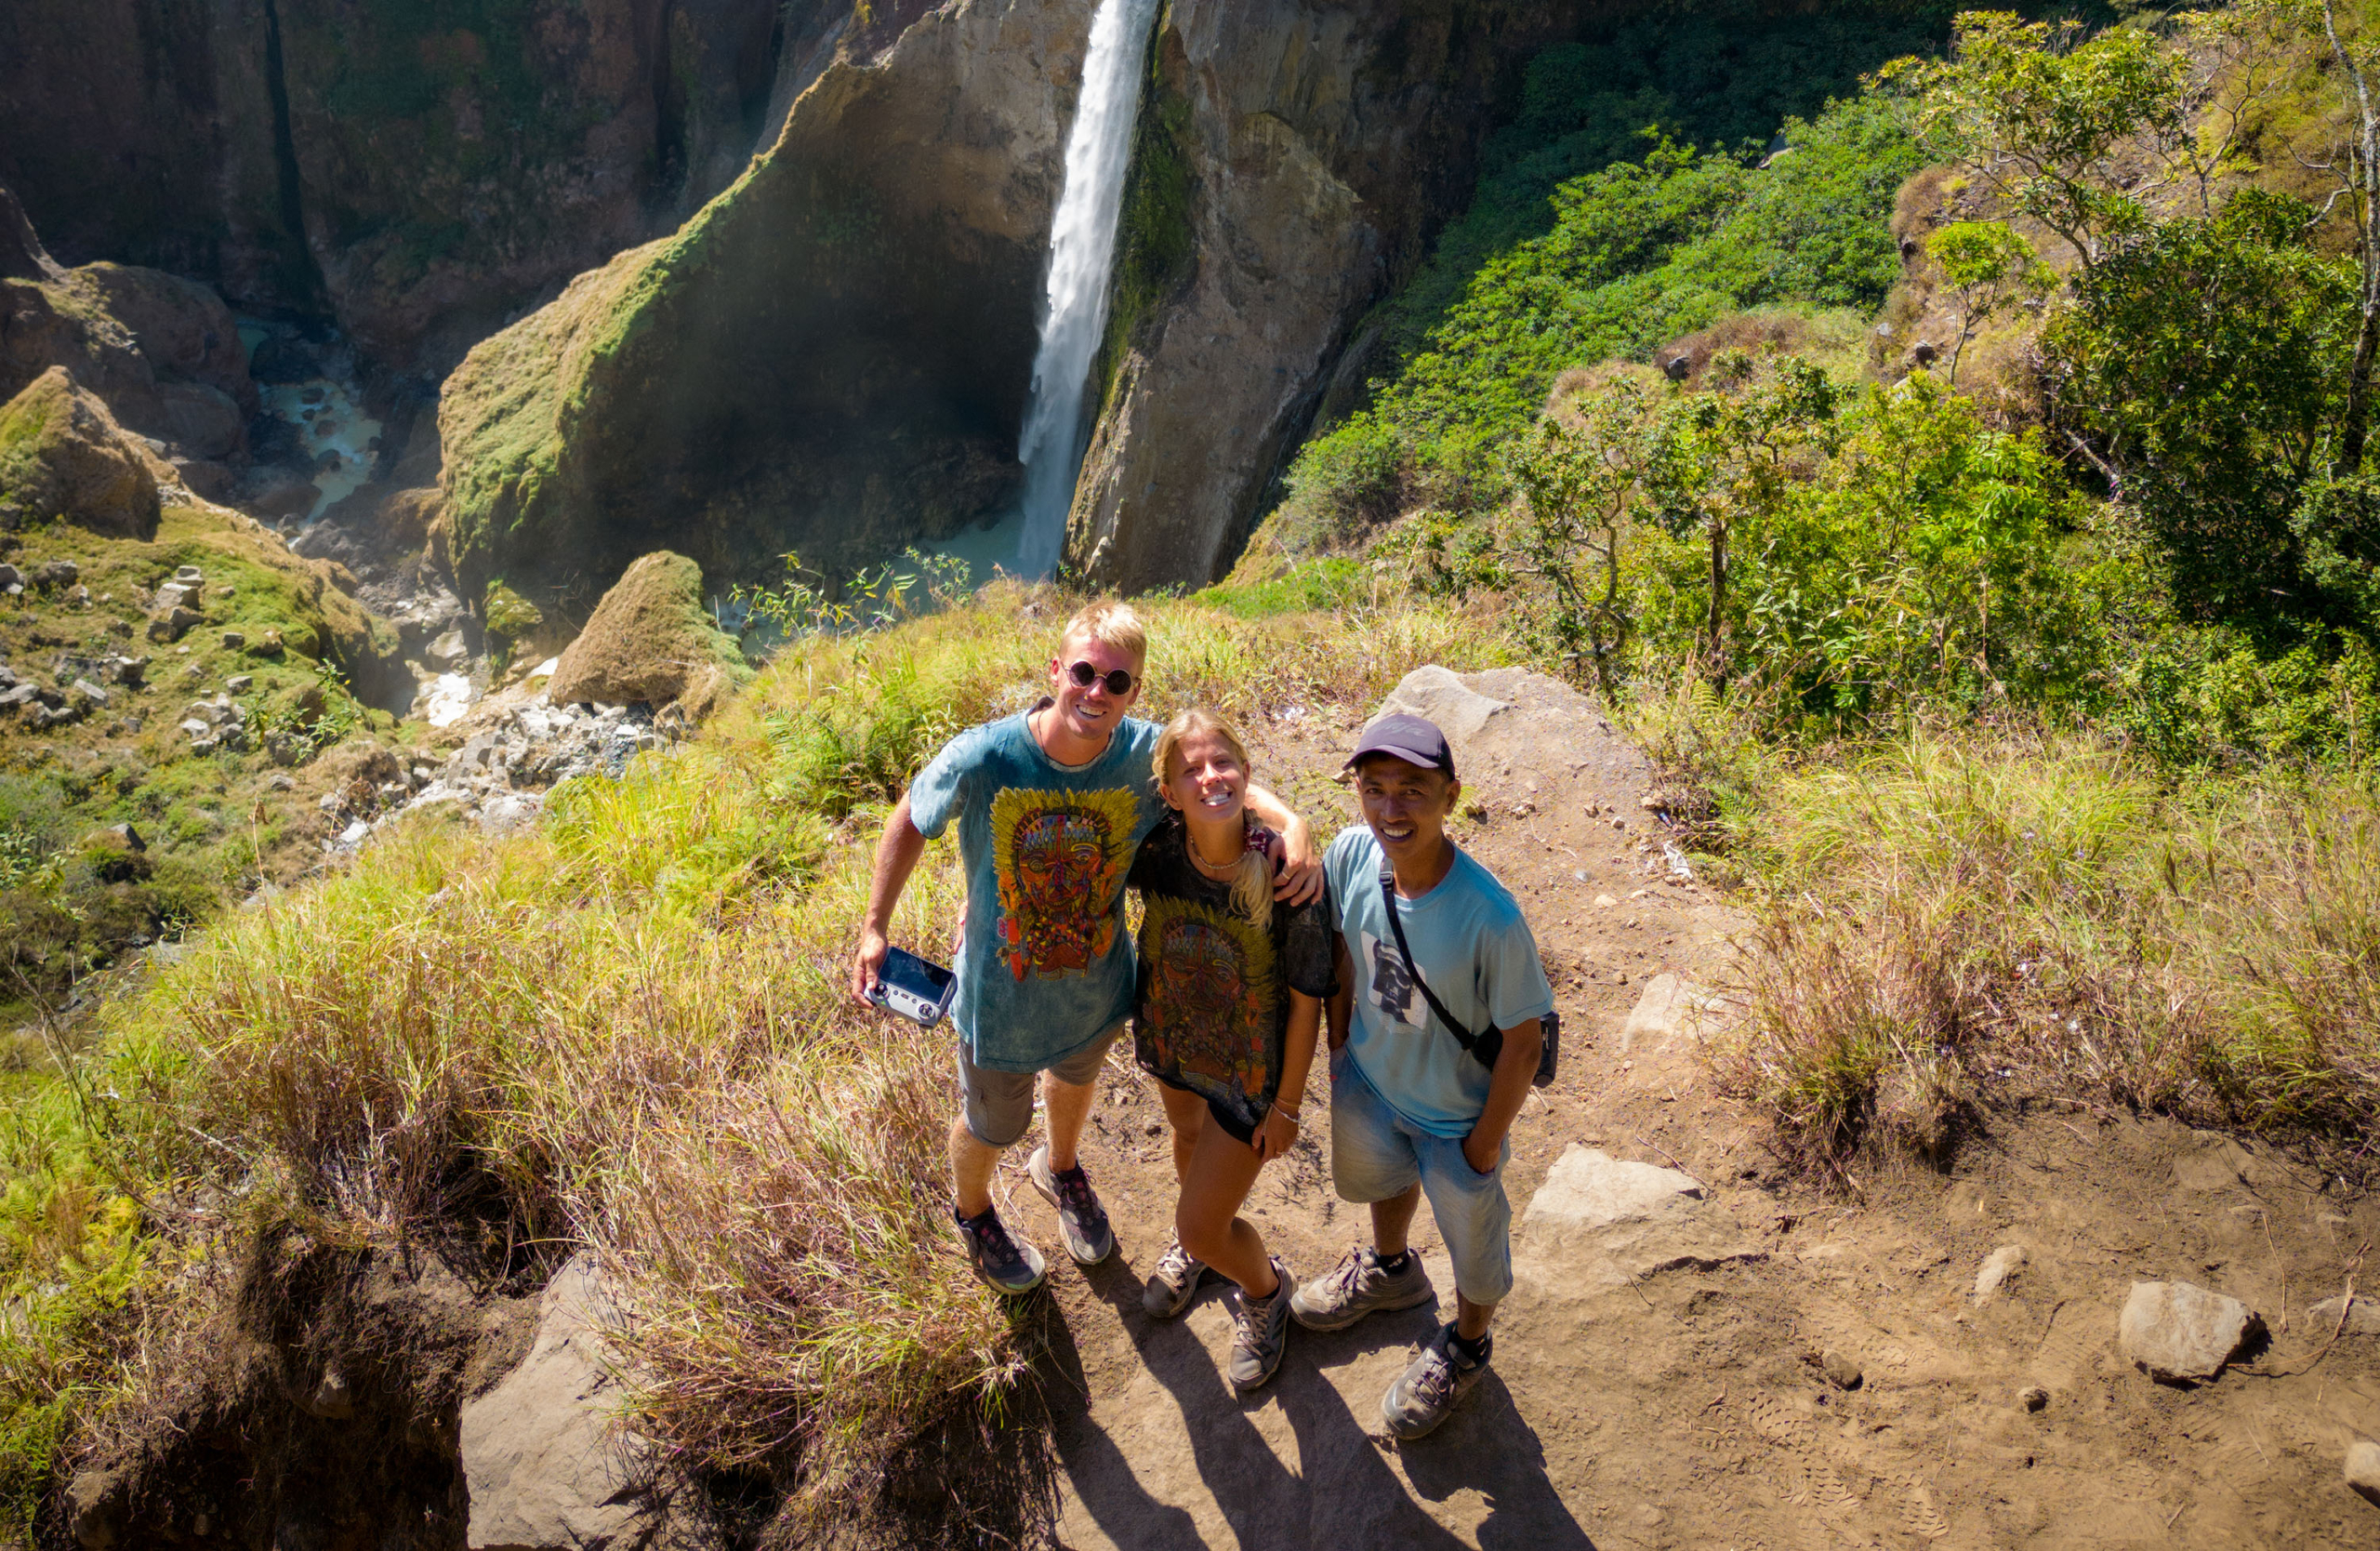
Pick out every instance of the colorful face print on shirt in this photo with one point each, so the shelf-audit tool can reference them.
(1059, 857)
(1210, 1005)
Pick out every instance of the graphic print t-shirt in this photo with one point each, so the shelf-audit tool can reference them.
(1214, 1003)
(1048, 966)
(1473, 948)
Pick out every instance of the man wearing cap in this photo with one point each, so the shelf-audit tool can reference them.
(1412, 1111)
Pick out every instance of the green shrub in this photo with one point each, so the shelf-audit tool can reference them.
(1345, 482)
(2206, 366)
(1720, 76)
(1638, 253)
(1332, 583)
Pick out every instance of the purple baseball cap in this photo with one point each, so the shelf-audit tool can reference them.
(1414, 740)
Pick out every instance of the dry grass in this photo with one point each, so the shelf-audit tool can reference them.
(626, 1031)
(1946, 929)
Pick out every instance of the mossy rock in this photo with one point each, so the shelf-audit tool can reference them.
(62, 456)
(507, 616)
(651, 641)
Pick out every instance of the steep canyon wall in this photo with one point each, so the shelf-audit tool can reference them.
(830, 358)
(414, 170)
(1322, 142)
(833, 357)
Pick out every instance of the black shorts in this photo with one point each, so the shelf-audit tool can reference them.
(1244, 1135)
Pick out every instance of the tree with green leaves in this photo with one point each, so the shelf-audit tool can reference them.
(1990, 267)
(2056, 120)
(2359, 183)
(2203, 369)
(1579, 493)
(1726, 457)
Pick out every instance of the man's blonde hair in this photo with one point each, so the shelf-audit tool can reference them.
(1111, 622)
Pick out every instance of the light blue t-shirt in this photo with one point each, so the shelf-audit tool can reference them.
(1473, 948)
(1046, 967)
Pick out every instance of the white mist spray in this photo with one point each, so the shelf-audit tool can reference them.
(1083, 251)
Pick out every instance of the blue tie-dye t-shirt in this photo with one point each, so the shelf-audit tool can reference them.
(1046, 967)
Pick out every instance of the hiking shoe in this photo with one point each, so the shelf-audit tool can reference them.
(1263, 1334)
(1080, 1217)
(1359, 1287)
(1429, 1389)
(1011, 1266)
(1174, 1283)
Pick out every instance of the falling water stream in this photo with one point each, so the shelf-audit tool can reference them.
(1082, 252)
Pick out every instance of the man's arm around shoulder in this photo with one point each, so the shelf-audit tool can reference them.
(897, 858)
(1301, 881)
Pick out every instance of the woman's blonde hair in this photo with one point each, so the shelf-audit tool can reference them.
(1251, 887)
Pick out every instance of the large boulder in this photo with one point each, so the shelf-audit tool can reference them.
(543, 1462)
(1518, 733)
(185, 330)
(163, 354)
(652, 642)
(62, 455)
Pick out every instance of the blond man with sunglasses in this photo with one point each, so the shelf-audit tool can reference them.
(1052, 805)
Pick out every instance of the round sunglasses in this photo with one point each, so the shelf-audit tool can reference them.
(1119, 682)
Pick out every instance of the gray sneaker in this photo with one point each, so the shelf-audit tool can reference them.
(1263, 1334)
(1174, 1283)
(1009, 1263)
(1081, 1220)
(1429, 1389)
(1359, 1287)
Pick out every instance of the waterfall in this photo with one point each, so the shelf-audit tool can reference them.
(1082, 252)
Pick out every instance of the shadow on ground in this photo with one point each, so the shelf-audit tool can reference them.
(1293, 1464)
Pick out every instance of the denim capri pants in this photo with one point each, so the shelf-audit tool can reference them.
(1377, 1153)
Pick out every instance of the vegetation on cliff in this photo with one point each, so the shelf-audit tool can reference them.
(2013, 628)
(274, 638)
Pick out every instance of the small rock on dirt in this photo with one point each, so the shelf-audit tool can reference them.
(1668, 1008)
(2032, 1398)
(2363, 1469)
(1841, 1370)
(2362, 1317)
(2179, 1333)
(1589, 1190)
(1997, 1267)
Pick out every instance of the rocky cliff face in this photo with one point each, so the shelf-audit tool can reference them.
(1322, 142)
(831, 357)
(417, 171)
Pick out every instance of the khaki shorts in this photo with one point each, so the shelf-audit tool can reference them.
(999, 1106)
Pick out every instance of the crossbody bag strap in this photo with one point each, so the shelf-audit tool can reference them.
(1462, 1036)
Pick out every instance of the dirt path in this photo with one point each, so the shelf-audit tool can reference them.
(1664, 1385)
